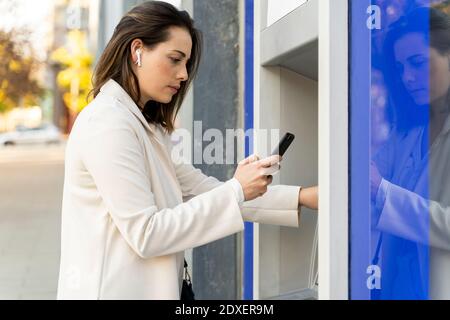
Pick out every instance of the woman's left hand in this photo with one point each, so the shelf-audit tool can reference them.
(309, 197)
(375, 180)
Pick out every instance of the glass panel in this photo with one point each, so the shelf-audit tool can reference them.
(400, 186)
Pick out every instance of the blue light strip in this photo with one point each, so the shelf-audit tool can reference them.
(360, 142)
(249, 80)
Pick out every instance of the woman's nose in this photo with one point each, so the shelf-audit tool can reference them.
(183, 75)
(408, 78)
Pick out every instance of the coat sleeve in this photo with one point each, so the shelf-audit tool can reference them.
(193, 182)
(385, 156)
(410, 216)
(114, 157)
(278, 206)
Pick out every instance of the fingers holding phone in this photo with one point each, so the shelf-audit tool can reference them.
(249, 159)
(252, 176)
(271, 165)
(255, 174)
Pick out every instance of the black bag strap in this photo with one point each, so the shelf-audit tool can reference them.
(187, 293)
(187, 276)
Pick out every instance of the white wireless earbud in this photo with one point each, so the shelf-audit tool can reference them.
(138, 61)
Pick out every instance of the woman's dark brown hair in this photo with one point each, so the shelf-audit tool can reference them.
(435, 26)
(149, 22)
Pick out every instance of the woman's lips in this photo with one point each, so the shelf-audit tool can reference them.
(175, 90)
(417, 90)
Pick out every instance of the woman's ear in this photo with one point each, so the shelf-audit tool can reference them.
(136, 51)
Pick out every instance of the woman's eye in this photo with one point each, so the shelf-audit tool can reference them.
(174, 60)
(418, 62)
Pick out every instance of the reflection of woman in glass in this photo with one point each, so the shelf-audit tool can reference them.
(410, 175)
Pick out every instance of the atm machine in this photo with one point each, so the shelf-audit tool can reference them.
(286, 258)
(291, 96)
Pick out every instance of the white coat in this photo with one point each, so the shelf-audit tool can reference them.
(129, 211)
(414, 202)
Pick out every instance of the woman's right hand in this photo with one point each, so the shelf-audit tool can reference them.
(375, 180)
(254, 175)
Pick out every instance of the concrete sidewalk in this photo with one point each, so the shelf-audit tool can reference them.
(30, 207)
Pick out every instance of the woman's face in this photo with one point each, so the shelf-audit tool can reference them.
(424, 71)
(163, 67)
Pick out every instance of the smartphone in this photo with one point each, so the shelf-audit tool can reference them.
(284, 144)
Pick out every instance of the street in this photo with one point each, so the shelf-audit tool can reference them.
(31, 182)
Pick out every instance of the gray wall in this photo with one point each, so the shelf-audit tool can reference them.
(216, 104)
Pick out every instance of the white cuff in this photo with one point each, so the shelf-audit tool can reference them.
(237, 190)
(381, 195)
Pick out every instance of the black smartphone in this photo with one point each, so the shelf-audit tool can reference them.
(284, 144)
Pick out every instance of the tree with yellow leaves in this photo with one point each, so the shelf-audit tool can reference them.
(75, 77)
(18, 88)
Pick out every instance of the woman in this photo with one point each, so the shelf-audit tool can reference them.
(129, 211)
(410, 182)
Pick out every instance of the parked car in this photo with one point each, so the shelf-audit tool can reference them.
(47, 133)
